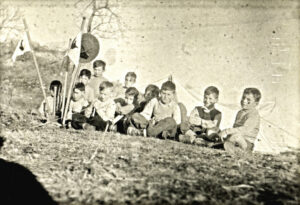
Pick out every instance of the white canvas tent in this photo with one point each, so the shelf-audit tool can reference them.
(272, 138)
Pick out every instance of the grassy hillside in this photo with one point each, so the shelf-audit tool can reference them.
(78, 167)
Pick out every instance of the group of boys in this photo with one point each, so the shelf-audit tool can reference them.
(156, 113)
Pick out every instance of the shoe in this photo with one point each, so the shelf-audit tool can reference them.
(130, 130)
(200, 141)
(185, 139)
(182, 138)
(113, 128)
(134, 131)
(88, 127)
(165, 134)
(191, 135)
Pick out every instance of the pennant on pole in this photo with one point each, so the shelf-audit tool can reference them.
(22, 47)
(74, 52)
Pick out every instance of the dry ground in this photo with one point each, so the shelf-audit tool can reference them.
(79, 167)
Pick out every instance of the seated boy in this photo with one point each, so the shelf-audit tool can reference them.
(246, 126)
(130, 103)
(160, 116)
(78, 104)
(84, 77)
(43, 109)
(204, 120)
(99, 68)
(151, 91)
(103, 109)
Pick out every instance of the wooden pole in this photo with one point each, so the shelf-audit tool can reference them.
(66, 62)
(36, 64)
(74, 76)
(54, 102)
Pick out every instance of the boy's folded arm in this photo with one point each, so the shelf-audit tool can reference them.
(88, 111)
(107, 114)
(212, 123)
(209, 123)
(250, 124)
(177, 115)
(124, 110)
(110, 112)
(194, 118)
(148, 110)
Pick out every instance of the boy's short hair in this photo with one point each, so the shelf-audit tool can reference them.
(131, 74)
(99, 63)
(79, 86)
(132, 91)
(169, 85)
(105, 84)
(85, 72)
(255, 92)
(56, 83)
(153, 89)
(212, 90)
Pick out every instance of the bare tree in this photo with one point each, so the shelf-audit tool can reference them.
(10, 21)
(103, 18)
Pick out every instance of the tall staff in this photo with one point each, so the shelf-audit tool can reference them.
(36, 64)
(74, 76)
(66, 64)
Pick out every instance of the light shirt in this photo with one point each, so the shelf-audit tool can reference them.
(159, 111)
(76, 107)
(95, 83)
(124, 110)
(89, 94)
(43, 107)
(106, 110)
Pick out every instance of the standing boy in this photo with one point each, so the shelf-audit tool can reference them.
(84, 77)
(99, 68)
(204, 120)
(161, 116)
(246, 125)
(130, 80)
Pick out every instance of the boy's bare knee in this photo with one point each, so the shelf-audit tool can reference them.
(184, 127)
(151, 131)
(170, 122)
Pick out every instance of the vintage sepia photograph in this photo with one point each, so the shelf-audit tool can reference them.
(149, 102)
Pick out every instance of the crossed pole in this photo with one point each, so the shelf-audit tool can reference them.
(73, 78)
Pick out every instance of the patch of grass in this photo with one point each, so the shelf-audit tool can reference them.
(128, 169)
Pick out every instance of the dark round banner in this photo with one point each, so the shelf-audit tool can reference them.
(90, 48)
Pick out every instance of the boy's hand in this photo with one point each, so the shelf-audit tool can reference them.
(87, 115)
(152, 122)
(223, 135)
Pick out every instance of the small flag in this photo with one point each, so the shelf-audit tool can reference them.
(22, 47)
(74, 52)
